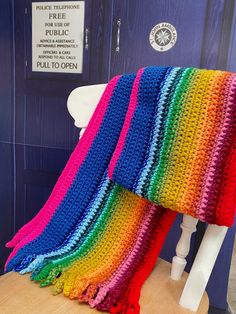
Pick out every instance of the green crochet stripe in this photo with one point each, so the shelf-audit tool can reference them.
(52, 269)
(174, 115)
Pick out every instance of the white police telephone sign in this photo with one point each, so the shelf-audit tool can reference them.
(57, 36)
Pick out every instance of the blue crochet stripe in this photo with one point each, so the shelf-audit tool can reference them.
(85, 245)
(157, 130)
(133, 154)
(88, 177)
(91, 212)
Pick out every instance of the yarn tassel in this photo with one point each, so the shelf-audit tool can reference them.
(89, 294)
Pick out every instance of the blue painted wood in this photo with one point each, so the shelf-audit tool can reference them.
(45, 128)
(231, 62)
(226, 31)
(36, 172)
(7, 204)
(212, 34)
(137, 20)
(101, 36)
(44, 159)
(7, 69)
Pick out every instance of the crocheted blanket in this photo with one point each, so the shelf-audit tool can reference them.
(178, 147)
(168, 135)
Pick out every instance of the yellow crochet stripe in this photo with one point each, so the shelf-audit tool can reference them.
(105, 257)
(205, 135)
(184, 139)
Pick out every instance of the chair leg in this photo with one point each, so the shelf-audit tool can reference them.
(202, 267)
(179, 262)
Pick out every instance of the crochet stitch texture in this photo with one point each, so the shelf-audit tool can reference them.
(168, 135)
(177, 146)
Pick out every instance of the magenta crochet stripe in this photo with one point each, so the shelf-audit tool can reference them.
(38, 224)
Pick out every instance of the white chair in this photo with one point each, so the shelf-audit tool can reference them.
(81, 105)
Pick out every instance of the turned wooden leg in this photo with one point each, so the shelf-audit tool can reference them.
(179, 262)
(202, 267)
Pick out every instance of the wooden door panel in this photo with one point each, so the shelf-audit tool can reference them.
(48, 123)
(7, 204)
(36, 172)
(200, 26)
(6, 76)
(137, 20)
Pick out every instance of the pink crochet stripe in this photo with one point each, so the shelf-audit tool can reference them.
(65, 175)
(66, 178)
(209, 177)
(127, 122)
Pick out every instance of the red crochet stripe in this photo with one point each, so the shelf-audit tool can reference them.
(227, 206)
(130, 301)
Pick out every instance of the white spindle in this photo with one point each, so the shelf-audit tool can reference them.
(179, 262)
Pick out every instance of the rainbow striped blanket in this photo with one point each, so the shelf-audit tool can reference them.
(159, 142)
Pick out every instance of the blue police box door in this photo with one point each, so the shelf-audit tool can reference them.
(169, 32)
(43, 126)
(118, 36)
